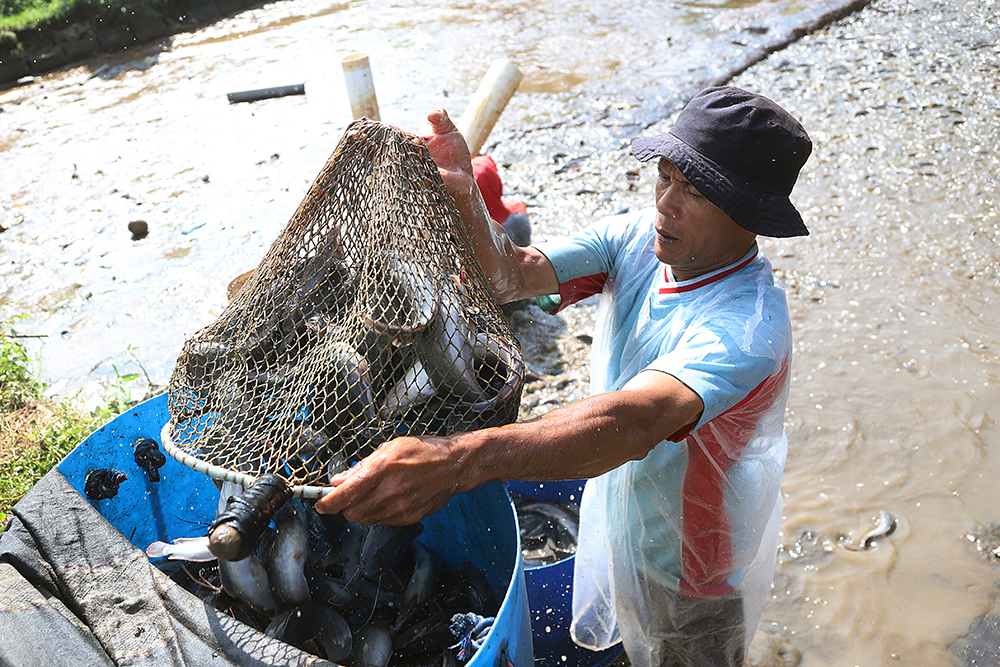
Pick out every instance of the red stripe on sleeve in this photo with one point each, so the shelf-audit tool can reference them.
(579, 289)
(706, 544)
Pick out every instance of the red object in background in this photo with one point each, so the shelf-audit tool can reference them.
(484, 169)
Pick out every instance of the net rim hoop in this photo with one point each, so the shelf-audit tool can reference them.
(307, 492)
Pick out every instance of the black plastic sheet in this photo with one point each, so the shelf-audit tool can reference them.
(74, 591)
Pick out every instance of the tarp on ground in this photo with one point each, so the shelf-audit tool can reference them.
(74, 591)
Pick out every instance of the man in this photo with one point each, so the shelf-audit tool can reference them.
(683, 434)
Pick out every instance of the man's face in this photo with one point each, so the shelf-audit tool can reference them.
(693, 235)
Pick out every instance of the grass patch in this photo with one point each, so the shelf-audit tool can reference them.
(36, 434)
(18, 385)
(14, 7)
(46, 447)
(17, 15)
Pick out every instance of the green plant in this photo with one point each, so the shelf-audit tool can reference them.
(120, 392)
(17, 383)
(70, 425)
(12, 7)
(18, 15)
(54, 442)
(10, 45)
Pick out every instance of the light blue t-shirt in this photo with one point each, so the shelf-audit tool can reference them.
(692, 514)
(706, 358)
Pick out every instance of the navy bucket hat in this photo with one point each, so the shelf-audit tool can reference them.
(742, 152)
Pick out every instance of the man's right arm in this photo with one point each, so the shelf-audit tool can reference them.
(514, 273)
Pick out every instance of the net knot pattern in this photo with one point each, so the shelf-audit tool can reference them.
(368, 318)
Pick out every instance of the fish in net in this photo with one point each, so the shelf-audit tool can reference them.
(368, 318)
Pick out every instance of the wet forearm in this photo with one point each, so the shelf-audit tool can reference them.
(582, 440)
(513, 273)
(494, 250)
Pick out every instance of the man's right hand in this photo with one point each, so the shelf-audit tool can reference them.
(513, 272)
(451, 154)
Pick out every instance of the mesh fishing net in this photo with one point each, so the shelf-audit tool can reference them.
(369, 317)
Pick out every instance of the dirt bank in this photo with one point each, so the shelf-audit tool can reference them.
(85, 33)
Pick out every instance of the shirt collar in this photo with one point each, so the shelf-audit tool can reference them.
(672, 287)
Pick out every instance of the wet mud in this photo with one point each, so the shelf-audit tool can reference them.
(894, 303)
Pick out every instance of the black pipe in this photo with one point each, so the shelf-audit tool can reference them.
(266, 93)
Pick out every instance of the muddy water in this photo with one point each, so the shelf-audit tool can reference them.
(894, 296)
(150, 136)
(896, 303)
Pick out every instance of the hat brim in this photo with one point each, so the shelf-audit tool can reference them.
(763, 213)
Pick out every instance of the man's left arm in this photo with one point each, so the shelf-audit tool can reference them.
(410, 477)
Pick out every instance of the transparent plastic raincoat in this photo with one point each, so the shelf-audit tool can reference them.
(699, 515)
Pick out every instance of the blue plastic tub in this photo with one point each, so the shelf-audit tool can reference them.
(550, 593)
(480, 526)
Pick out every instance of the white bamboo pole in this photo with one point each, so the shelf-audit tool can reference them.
(488, 102)
(360, 87)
